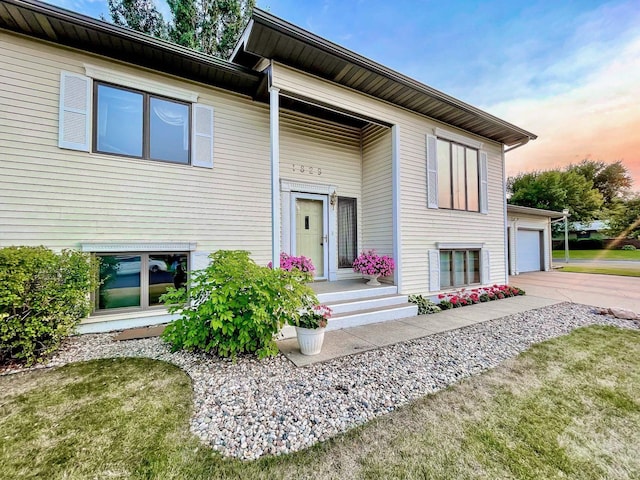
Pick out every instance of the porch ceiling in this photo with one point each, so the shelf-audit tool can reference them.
(270, 37)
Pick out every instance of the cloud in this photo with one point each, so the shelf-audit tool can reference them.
(598, 118)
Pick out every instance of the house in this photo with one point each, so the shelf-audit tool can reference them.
(529, 236)
(151, 156)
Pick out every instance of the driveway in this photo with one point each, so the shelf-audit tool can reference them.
(586, 288)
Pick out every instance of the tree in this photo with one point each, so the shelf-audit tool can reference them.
(556, 190)
(612, 180)
(210, 26)
(140, 15)
(625, 222)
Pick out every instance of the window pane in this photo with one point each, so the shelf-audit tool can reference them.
(473, 192)
(473, 266)
(169, 131)
(459, 268)
(445, 269)
(347, 232)
(459, 191)
(166, 270)
(120, 281)
(444, 174)
(119, 119)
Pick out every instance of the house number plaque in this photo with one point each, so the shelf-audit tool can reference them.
(307, 169)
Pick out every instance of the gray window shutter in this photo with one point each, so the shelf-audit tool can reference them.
(434, 270)
(486, 267)
(202, 141)
(74, 123)
(432, 172)
(484, 183)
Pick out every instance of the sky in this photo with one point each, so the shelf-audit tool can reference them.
(567, 71)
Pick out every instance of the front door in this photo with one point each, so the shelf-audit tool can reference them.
(310, 235)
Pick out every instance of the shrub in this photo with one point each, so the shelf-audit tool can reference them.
(628, 247)
(43, 296)
(370, 263)
(235, 306)
(425, 305)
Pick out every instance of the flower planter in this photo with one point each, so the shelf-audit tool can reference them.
(373, 280)
(310, 340)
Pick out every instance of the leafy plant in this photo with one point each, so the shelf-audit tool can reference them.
(425, 306)
(370, 263)
(43, 296)
(313, 316)
(630, 248)
(235, 306)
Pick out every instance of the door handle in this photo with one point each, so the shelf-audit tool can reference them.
(325, 238)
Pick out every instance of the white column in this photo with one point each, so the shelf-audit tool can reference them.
(395, 182)
(274, 128)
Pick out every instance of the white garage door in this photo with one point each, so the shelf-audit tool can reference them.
(528, 249)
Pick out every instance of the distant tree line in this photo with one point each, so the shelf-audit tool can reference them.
(591, 189)
(209, 26)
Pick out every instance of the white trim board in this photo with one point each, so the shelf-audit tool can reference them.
(138, 247)
(457, 137)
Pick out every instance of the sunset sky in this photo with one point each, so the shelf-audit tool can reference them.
(568, 71)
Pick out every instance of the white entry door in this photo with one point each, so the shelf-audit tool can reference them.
(310, 230)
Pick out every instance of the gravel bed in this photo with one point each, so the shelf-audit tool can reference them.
(252, 408)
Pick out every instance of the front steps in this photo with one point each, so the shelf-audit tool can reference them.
(355, 307)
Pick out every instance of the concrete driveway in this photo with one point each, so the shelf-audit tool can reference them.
(589, 289)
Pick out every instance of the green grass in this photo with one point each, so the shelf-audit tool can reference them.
(598, 254)
(568, 408)
(621, 271)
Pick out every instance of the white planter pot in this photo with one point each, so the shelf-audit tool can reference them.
(373, 280)
(310, 340)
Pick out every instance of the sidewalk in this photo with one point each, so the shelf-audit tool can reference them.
(339, 343)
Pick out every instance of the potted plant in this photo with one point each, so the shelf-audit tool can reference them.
(310, 326)
(372, 265)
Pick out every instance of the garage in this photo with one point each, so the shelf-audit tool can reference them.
(529, 238)
(529, 254)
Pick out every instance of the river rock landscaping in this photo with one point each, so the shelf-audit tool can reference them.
(250, 408)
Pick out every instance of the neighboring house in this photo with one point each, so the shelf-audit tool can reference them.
(529, 232)
(596, 230)
(152, 156)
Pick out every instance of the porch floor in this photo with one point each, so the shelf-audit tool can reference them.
(343, 285)
(349, 341)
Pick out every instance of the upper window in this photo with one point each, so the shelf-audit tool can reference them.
(458, 176)
(137, 124)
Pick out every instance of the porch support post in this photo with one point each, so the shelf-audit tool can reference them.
(395, 174)
(274, 129)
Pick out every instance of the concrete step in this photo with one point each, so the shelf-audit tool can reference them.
(356, 305)
(362, 317)
(357, 293)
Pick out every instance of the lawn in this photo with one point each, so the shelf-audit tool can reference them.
(621, 271)
(598, 254)
(567, 408)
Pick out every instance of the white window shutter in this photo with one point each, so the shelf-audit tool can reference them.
(486, 267)
(202, 139)
(484, 183)
(432, 172)
(434, 270)
(74, 122)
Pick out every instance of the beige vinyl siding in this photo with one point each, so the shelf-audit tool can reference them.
(421, 228)
(332, 148)
(377, 194)
(62, 198)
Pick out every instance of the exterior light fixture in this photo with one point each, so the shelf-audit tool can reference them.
(333, 198)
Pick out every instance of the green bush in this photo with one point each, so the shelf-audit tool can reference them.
(425, 305)
(628, 247)
(235, 306)
(43, 296)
